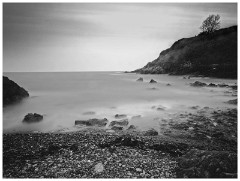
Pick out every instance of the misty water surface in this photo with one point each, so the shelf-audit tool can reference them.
(65, 97)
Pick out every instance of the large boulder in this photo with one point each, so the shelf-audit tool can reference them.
(32, 118)
(12, 92)
(198, 84)
(208, 164)
(92, 122)
(123, 122)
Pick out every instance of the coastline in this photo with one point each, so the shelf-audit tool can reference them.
(129, 154)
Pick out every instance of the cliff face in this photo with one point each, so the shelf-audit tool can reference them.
(212, 55)
(12, 92)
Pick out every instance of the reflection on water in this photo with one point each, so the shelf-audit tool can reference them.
(65, 97)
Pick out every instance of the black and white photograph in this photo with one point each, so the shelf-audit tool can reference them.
(119, 90)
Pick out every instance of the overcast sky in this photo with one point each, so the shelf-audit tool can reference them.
(98, 37)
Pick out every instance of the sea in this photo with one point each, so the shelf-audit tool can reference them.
(63, 97)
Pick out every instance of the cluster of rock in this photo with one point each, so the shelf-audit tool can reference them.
(116, 125)
(202, 84)
(12, 92)
(151, 81)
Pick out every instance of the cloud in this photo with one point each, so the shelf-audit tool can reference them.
(78, 36)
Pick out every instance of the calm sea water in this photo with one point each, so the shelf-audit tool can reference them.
(65, 97)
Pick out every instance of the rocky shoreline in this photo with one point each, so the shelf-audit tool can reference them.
(12, 92)
(202, 146)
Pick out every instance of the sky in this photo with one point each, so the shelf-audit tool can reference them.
(48, 37)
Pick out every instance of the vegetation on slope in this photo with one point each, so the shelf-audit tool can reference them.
(213, 55)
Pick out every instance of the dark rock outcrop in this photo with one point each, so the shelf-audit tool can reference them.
(32, 118)
(213, 55)
(198, 84)
(92, 122)
(234, 87)
(208, 164)
(123, 122)
(153, 81)
(151, 132)
(234, 101)
(140, 79)
(12, 92)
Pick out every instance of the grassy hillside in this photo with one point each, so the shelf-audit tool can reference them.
(212, 55)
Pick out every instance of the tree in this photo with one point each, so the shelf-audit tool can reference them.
(211, 24)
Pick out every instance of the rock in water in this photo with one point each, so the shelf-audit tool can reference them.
(99, 168)
(161, 108)
(123, 122)
(222, 85)
(212, 85)
(12, 92)
(151, 132)
(117, 128)
(92, 122)
(131, 127)
(32, 118)
(198, 84)
(153, 81)
(89, 113)
(140, 79)
(119, 116)
(234, 101)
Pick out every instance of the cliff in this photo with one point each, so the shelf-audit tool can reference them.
(213, 55)
(12, 92)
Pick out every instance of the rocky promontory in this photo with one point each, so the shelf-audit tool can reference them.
(12, 92)
(213, 55)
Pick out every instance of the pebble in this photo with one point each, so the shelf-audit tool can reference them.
(138, 169)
